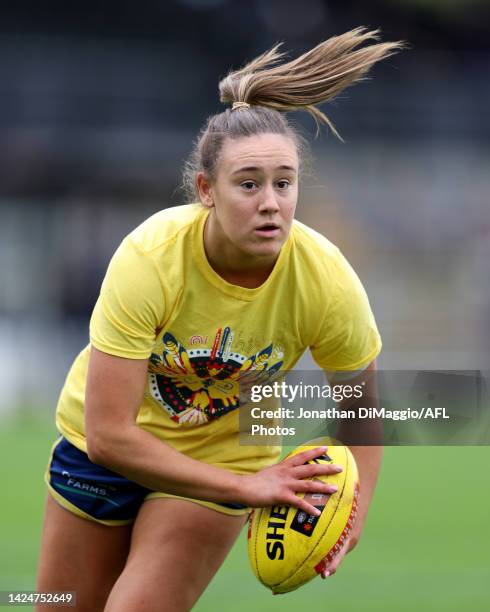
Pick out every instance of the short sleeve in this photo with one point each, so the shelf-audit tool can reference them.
(347, 338)
(131, 305)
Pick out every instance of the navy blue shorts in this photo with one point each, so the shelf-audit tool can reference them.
(96, 493)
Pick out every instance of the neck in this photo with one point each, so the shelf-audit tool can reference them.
(248, 278)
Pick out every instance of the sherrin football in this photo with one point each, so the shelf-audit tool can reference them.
(286, 546)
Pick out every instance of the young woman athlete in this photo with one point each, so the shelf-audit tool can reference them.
(148, 484)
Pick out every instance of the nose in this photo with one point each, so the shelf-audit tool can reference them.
(268, 202)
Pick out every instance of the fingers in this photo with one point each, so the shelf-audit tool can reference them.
(309, 486)
(286, 479)
(304, 469)
(315, 486)
(306, 456)
(305, 482)
(333, 566)
(302, 504)
(316, 469)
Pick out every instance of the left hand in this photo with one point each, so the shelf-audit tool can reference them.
(332, 567)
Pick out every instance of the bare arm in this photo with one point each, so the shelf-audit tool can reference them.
(115, 388)
(368, 459)
(365, 442)
(364, 439)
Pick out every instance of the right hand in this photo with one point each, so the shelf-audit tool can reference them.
(279, 484)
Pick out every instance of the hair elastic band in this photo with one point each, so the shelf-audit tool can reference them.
(240, 105)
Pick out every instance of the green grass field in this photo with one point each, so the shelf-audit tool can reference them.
(426, 546)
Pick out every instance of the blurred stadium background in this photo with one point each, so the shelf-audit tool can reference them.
(99, 105)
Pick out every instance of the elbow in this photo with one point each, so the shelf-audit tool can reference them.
(104, 448)
(97, 450)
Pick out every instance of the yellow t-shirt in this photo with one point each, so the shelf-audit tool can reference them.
(162, 300)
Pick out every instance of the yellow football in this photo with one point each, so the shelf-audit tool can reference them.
(287, 546)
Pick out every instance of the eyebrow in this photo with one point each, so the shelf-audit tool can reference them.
(256, 168)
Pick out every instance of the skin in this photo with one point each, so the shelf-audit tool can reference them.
(368, 458)
(179, 570)
(241, 203)
(114, 393)
(70, 545)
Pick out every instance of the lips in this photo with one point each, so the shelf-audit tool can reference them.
(268, 226)
(268, 230)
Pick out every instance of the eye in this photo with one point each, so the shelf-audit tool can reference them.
(248, 185)
(284, 184)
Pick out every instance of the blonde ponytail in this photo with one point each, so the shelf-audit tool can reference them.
(265, 88)
(317, 76)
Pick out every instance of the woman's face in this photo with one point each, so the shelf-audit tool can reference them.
(253, 197)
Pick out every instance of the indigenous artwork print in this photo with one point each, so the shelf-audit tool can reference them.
(198, 385)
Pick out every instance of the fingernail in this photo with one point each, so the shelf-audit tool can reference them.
(333, 488)
(317, 512)
(337, 468)
(325, 574)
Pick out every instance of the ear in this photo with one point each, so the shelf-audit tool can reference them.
(204, 190)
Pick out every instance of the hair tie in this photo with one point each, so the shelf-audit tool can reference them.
(240, 105)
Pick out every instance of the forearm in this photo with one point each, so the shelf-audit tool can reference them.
(368, 459)
(113, 396)
(140, 456)
(364, 437)
(115, 441)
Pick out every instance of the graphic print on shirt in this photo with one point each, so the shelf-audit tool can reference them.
(198, 385)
